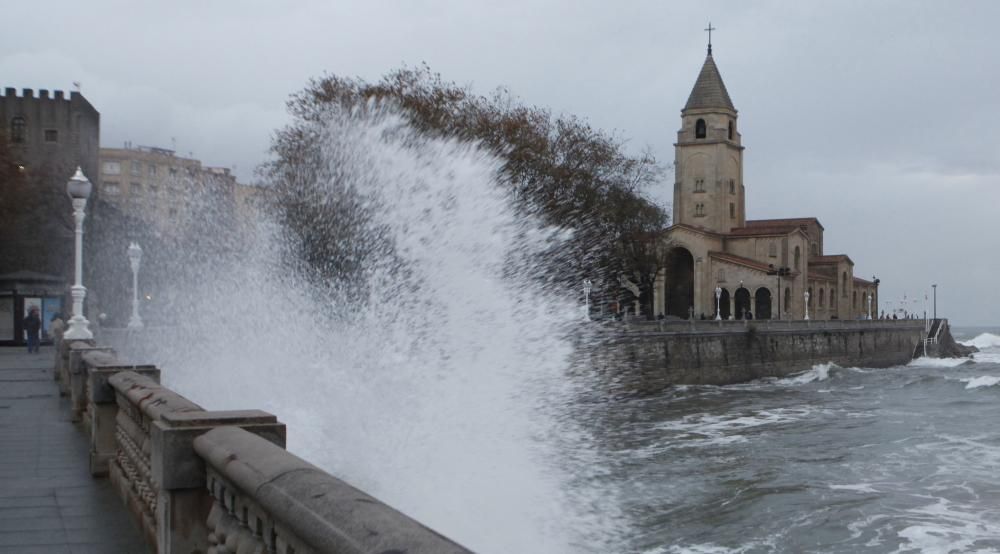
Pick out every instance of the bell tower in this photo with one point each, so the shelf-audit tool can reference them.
(708, 183)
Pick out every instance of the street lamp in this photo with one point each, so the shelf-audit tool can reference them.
(869, 306)
(78, 188)
(780, 272)
(806, 294)
(134, 259)
(935, 300)
(587, 287)
(718, 295)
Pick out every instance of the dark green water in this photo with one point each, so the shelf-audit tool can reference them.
(905, 459)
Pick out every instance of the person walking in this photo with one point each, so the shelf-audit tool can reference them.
(56, 329)
(33, 326)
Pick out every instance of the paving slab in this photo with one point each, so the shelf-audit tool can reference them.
(48, 500)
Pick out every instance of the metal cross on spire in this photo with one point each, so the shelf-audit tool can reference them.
(710, 29)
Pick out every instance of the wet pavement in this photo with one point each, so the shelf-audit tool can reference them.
(48, 500)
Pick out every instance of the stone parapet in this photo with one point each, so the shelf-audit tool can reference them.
(268, 500)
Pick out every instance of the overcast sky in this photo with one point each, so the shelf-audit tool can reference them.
(879, 118)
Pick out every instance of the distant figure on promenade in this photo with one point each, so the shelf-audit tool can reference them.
(56, 329)
(749, 314)
(33, 326)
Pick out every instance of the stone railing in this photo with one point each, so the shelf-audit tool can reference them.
(199, 480)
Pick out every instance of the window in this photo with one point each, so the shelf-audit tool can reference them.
(854, 301)
(810, 301)
(843, 283)
(18, 130)
(111, 168)
(788, 300)
(111, 188)
(732, 210)
(722, 275)
(814, 248)
(135, 188)
(833, 298)
(699, 210)
(699, 185)
(699, 129)
(152, 170)
(772, 250)
(173, 171)
(732, 186)
(51, 135)
(821, 292)
(797, 255)
(136, 168)
(732, 130)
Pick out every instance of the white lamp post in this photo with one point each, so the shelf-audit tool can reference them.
(718, 295)
(869, 306)
(78, 189)
(134, 259)
(587, 286)
(807, 305)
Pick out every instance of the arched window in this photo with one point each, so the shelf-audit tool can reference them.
(821, 292)
(732, 130)
(699, 185)
(843, 283)
(18, 130)
(797, 256)
(814, 248)
(787, 306)
(732, 186)
(699, 129)
(732, 211)
(772, 250)
(854, 302)
(810, 301)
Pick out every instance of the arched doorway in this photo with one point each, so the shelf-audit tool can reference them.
(742, 302)
(724, 304)
(679, 282)
(763, 300)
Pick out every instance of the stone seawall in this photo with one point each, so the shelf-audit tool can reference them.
(649, 357)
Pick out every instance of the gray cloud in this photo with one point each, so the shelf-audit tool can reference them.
(878, 118)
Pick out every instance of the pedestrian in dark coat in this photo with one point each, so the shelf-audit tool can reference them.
(33, 327)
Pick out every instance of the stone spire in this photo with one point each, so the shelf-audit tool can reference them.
(709, 91)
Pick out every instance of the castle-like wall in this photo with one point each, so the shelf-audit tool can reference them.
(646, 359)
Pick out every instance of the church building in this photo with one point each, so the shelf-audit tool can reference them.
(714, 255)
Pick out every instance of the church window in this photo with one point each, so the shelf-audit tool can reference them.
(732, 210)
(732, 130)
(797, 256)
(699, 129)
(810, 301)
(821, 293)
(18, 130)
(732, 186)
(699, 185)
(772, 250)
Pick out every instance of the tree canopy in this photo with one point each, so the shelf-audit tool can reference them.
(560, 167)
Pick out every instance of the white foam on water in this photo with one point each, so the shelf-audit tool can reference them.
(944, 527)
(987, 356)
(938, 362)
(859, 488)
(981, 381)
(820, 372)
(984, 340)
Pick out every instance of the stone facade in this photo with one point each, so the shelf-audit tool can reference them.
(764, 267)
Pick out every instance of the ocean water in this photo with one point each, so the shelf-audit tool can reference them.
(836, 459)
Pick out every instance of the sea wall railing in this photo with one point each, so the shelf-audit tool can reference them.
(198, 480)
(741, 326)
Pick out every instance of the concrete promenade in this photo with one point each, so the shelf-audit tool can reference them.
(48, 500)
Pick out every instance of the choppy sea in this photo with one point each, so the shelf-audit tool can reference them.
(835, 459)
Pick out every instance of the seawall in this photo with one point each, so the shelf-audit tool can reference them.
(649, 356)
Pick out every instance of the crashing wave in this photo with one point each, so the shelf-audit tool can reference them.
(984, 340)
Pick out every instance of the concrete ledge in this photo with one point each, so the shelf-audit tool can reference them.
(322, 511)
(153, 399)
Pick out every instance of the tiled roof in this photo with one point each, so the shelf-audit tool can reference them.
(761, 231)
(860, 281)
(709, 91)
(740, 260)
(831, 259)
(796, 221)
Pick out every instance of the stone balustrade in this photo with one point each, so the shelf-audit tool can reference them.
(212, 481)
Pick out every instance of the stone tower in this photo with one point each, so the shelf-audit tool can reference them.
(708, 184)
